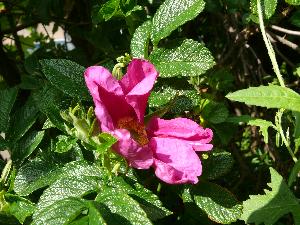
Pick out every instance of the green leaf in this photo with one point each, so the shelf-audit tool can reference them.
(268, 96)
(3, 144)
(7, 99)
(295, 20)
(148, 201)
(172, 14)
(64, 143)
(294, 173)
(184, 98)
(215, 112)
(218, 203)
(293, 2)
(217, 165)
(27, 145)
(23, 119)
(268, 8)
(51, 101)
(76, 180)
(109, 9)
(140, 40)
(38, 174)
(61, 212)
(123, 206)
(263, 127)
(271, 206)
(95, 214)
(20, 207)
(34, 175)
(66, 76)
(106, 140)
(191, 58)
(82, 221)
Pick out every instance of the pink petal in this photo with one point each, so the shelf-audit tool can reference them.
(137, 84)
(108, 97)
(140, 157)
(175, 162)
(184, 129)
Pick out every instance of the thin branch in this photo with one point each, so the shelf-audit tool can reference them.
(18, 28)
(284, 30)
(284, 41)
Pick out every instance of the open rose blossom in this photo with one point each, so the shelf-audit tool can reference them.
(169, 146)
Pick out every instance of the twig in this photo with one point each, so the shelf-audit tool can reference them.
(286, 42)
(284, 30)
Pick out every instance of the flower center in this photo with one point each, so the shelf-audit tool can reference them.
(136, 129)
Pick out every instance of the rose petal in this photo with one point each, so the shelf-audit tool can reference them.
(184, 129)
(137, 84)
(137, 156)
(175, 162)
(108, 97)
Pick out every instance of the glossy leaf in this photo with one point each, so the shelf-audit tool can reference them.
(7, 99)
(218, 203)
(172, 14)
(189, 59)
(20, 207)
(64, 143)
(217, 165)
(61, 212)
(67, 76)
(27, 145)
(268, 8)
(215, 112)
(23, 119)
(123, 206)
(268, 96)
(271, 206)
(140, 40)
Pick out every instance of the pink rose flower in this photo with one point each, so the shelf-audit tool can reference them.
(169, 146)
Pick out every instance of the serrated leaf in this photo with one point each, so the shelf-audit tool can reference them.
(60, 213)
(293, 2)
(140, 40)
(172, 14)
(191, 58)
(148, 201)
(271, 206)
(263, 127)
(109, 9)
(51, 101)
(268, 8)
(218, 203)
(7, 99)
(217, 165)
(23, 119)
(34, 175)
(26, 145)
(71, 184)
(268, 96)
(215, 112)
(123, 206)
(38, 174)
(106, 140)
(185, 99)
(67, 76)
(20, 207)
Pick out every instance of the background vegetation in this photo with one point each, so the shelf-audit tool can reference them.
(204, 51)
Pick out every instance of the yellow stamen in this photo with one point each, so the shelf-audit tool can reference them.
(136, 129)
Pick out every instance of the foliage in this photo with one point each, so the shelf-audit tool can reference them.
(214, 63)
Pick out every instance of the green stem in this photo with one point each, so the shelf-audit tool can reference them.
(5, 173)
(269, 45)
(278, 74)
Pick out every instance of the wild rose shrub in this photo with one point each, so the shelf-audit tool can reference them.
(162, 138)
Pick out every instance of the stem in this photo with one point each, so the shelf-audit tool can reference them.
(269, 45)
(278, 74)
